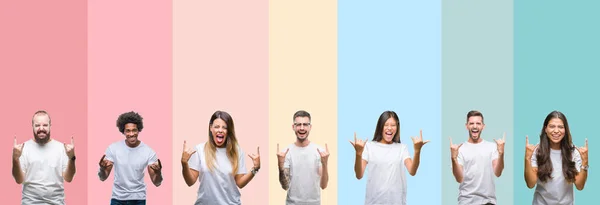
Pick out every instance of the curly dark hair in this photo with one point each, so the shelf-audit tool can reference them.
(130, 117)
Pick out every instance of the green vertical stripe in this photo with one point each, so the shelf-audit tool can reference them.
(556, 68)
(477, 73)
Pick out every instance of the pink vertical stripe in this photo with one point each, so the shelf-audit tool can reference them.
(43, 66)
(220, 58)
(129, 70)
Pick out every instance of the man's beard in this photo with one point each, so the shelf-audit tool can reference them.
(39, 140)
(475, 138)
(301, 140)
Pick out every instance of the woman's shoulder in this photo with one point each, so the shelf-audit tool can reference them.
(200, 146)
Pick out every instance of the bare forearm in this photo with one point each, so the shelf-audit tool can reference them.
(16, 171)
(284, 178)
(187, 174)
(70, 173)
(581, 177)
(530, 174)
(157, 178)
(457, 171)
(324, 176)
(580, 180)
(358, 166)
(103, 174)
(244, 180)
(415, 163)
(499, 166)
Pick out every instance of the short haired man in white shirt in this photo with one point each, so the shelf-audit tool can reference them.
(130, 157)
(476, 163)
(43, 164)
(303, 165)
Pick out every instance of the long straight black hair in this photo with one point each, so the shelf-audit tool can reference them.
(381, 123)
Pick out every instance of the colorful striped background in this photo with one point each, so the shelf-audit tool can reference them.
(176, 62)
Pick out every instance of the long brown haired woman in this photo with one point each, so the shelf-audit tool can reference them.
(555, 164)
(218, 164)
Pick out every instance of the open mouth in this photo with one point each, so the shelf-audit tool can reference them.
(302, 133)
(475, 131)
(389, 134)
(131, 139)
(220, 138)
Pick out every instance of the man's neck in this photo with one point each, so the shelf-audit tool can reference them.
(475, 142)
(137, 143)
(302, 143)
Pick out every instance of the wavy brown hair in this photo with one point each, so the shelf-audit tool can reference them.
(231, 143)
(566, 146)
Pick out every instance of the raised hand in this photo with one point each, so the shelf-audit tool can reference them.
(529, 148)
(70, 149)
(583, 151)
(17, 149)
(454, 149)
(105, 164)
(500, 144)
(281, 156)
(358, 144)
(324, 155)
(156, 166)
(187, 152)
(418, 141)
(255, 158)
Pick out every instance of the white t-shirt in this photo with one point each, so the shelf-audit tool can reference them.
(218, 186)
(129, 166)
(555, 190)
(43, 168)
(386, 183)
(478, 185)
(305, 181)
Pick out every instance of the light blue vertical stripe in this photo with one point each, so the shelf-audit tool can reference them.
(389, 59)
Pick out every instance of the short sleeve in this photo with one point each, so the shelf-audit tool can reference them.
(286, 163)
(109, 154)
(23, 162)
(195, 161)
(495, 153)
(404, 155)
(318, 155)
(64, 159)
(577, 159)
(534, 159)
(153, 157)
(241, 162)
(365, 154)
(460, 159)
